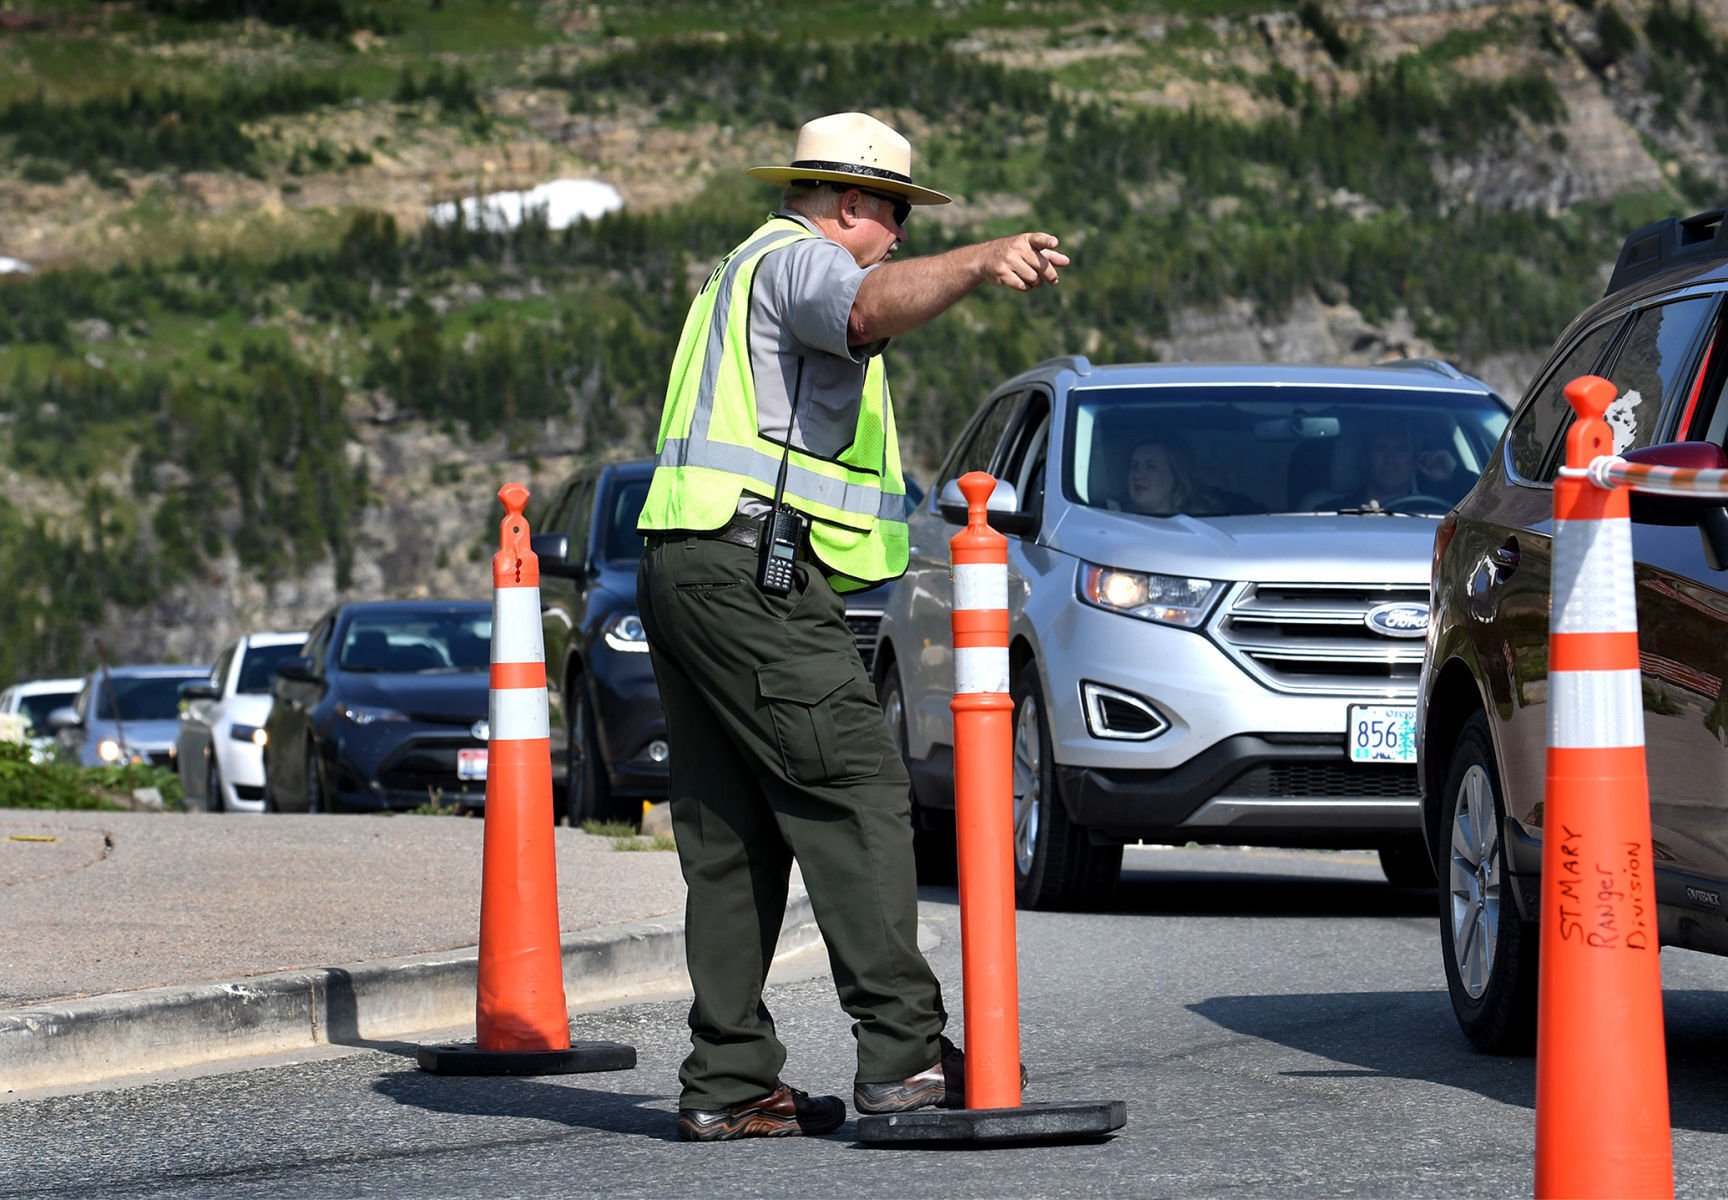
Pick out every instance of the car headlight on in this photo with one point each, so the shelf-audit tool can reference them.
(1168, 599)
(108, 750)
(247, 733)
(362, 714)
(624, 631)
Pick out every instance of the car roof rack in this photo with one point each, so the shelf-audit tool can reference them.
(1670, 242)
(1424, 364)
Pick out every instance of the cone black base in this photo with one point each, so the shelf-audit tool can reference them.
(1028, 1123)
(580, 1058)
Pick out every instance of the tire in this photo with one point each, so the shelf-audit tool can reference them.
(213, 788)
(587, 788)
(1489, 951)
(317, 798)
(1056, 864)
(934, 848)
(1406, 864)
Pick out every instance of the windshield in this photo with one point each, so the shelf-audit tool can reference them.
(36, 708)
(411, 643)
(622, 543)
(1243, 450)
(156, 698)
(258, 668)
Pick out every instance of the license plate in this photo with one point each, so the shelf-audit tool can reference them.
(471, 764)
(1380, 733)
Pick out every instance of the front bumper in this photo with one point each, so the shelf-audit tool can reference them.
(419, 770)
(1250, 789)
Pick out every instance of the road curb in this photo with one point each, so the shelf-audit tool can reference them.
(159, 1029)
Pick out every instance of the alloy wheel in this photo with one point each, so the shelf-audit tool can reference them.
(1475, 881)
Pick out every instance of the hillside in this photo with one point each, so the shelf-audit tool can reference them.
(242, 373)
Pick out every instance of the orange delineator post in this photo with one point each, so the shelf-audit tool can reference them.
(984, 804)
(522, 1025)
(1602, 1124)
(521, 987)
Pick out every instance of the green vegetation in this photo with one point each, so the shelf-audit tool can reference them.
(184, 405)
(24, 784)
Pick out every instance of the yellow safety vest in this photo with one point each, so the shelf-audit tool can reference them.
(711, 449)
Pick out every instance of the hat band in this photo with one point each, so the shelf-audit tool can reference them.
(822, 164)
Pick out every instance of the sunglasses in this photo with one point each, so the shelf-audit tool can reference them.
(902, 206)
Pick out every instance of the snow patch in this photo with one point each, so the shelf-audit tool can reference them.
(564, 201)
(14, 266)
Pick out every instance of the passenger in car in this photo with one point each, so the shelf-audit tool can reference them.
(1161, 481)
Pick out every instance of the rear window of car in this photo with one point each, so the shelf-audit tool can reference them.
(258, 668)
(622, 543)
(151, 698)
(1247, 450)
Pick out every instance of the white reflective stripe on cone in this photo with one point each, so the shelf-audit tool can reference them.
(516, 626)
(1593, 577)
(980, 585)
(518, 714)
(981, 669)
(1595, 710)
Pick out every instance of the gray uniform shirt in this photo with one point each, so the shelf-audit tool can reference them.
(800, 318)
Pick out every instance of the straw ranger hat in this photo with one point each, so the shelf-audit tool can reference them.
(852, 148)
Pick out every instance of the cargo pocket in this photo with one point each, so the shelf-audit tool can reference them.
(825, 717)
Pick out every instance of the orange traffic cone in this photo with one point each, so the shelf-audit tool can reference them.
(1601, 1064)
(984, 819)
(520, 1015)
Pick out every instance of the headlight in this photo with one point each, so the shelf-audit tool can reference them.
(362, 714)
(108, 750)
(623, 631)
(247, 733)
(1167, 599)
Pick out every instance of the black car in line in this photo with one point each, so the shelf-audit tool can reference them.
(385, 708)
(608, 729)
(1660, 335)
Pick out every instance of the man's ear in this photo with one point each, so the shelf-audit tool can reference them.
(847, 212)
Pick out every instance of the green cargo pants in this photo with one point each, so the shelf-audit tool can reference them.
(779, 752)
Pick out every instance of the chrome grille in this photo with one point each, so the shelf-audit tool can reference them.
(1314, 639)
(866, 627)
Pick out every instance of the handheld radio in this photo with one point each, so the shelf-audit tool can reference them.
(782, 525)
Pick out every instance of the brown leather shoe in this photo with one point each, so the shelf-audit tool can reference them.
(783, 1112)
(942, 1085)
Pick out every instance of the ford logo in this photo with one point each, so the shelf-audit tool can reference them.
(481, 730)
(1398, 620)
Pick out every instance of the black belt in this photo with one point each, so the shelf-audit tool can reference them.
(741, 531)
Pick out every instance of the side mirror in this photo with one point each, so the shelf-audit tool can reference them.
(298, 668)
(553, 551)
(63, 718)
(1002, 510)
(1650, 509)
(200, 689)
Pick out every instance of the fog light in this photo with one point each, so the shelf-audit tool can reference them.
(658, 751)
(108, 750)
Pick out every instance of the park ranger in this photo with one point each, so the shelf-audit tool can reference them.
(778, 488)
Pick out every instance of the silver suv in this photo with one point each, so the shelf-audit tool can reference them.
(1218, 591)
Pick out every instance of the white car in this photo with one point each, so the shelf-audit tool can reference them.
(220, 747)
(33, 701)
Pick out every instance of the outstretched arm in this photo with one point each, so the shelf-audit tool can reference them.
(898, 297)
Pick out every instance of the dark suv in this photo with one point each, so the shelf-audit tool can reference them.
(607, 724)
(1482, 717)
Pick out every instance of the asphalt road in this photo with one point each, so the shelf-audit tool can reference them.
(1276, 1021)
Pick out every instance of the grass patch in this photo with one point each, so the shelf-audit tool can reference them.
(659, 841)
(24, 784)
(611, 829)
